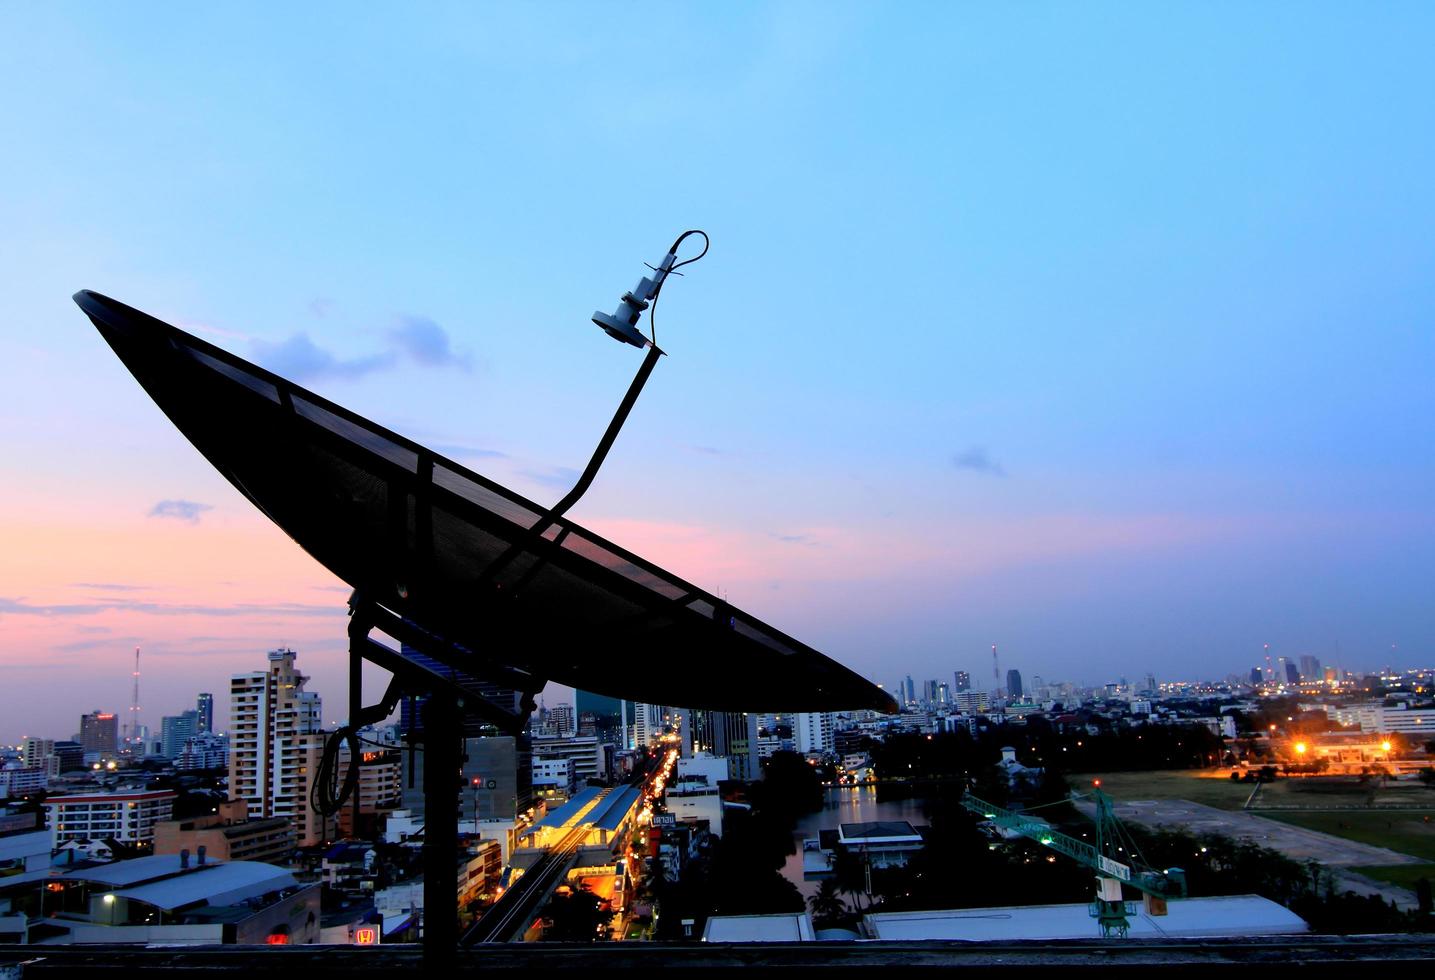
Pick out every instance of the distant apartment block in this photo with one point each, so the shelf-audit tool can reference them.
(128, 817)
(972, 702)
(813, 732)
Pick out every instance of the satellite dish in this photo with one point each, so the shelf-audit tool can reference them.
(515, 592)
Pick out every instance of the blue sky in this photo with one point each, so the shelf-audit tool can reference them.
(1102, 332)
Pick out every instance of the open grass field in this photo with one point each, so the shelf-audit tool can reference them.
(1404, 875)
(1407, 831)
(1169, 784)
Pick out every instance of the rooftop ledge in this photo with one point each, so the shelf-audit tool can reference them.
(1317, 956)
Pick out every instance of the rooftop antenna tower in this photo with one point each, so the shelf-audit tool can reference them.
(135, 702)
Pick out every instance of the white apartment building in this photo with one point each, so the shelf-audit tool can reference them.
(552, 776)
(1382, 720)
(128, 817)
(814, 731)
(647, 724)
(275, 742)
(39, 753)
(693, 793)
(584, 751)
(972, 702)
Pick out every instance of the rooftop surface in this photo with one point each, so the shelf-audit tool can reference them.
(790, 927)
(875, 830)
(1237, 916)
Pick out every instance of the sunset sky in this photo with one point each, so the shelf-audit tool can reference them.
(1100, 333)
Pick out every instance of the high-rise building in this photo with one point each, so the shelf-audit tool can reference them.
(813, 731)
(647, 724)
(590, 756)
(964, 681)
(377, 791)
(497, 777)
(562, 720)
(99, 732)
(607, 712)
(39, 753)
(1310, 668)
(1292, 674)
(731, 735)
(972, 702)
(276, 741)
(1013, 684)
(204, 704)
(176, 731)
(1256, 678)
(909, 691)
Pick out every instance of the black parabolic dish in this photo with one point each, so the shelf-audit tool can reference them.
(462, 556)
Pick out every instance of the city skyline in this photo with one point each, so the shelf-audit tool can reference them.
(556, 695)
(1143, 385)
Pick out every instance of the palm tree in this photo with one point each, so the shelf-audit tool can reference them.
(827, 904)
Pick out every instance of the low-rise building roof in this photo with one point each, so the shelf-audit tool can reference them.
(1227, 916)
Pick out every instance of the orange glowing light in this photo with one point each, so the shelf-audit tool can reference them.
(366, 936)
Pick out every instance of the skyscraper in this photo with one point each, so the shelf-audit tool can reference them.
(276, 740)
(1256, 678)
(1013, 684)
(204, 705)
(1310, 668)
(100, 732)
(647, 724)
(1292, 674)
(176, 731)
(964, 681)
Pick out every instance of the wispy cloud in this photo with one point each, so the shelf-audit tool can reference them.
(426, 343)
(558, 477)
(708, 450)
(978, 460)
(467, 452)
(416, 339)
(18, 606)
(180, 510)
(110, 586)
(301, 359)
(806, 539)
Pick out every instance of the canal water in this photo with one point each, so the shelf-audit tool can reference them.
(845, 804)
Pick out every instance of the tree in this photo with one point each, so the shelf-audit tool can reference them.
(827, 905)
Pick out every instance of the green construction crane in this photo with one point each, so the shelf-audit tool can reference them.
(1114, 857)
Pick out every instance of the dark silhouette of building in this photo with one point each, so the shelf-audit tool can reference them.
(204, 704)
(1013, 684)
(99, 732)
(607, 712)
(964, 682)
